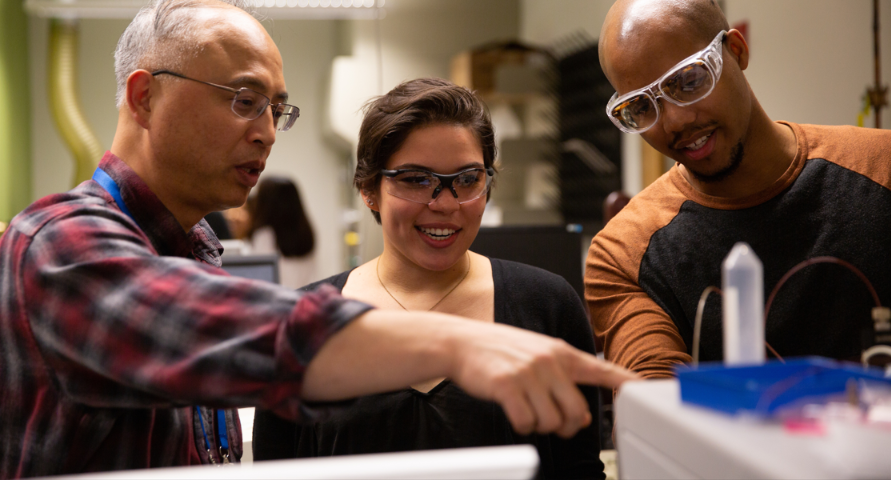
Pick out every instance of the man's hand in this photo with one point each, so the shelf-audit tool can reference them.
(532, 376)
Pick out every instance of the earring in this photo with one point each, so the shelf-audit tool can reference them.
(370, 203)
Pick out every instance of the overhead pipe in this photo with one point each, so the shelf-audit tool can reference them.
(64, 99)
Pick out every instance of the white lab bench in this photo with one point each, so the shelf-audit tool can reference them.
(660, 437)
(514, 462)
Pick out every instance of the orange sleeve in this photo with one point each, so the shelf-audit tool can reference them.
(635, 332)
(862, 150)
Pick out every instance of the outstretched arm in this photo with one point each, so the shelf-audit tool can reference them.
(532, 376)
(635, 331)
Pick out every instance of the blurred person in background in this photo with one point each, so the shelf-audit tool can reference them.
(238, 220)
(220, 226)
(278, 224)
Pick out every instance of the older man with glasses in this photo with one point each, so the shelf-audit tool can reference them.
(115, 320)
(793, 192)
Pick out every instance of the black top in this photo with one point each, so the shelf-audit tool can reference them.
(446, 417)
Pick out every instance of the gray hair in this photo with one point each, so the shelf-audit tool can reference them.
(162, 35)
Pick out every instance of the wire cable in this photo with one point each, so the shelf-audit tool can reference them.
(697, 326)
(806, 263)
(873, 351)
(697, 323)
(813, 261)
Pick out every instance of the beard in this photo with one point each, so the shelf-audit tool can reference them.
(736, 157)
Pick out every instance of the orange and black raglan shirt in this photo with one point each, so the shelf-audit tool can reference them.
(648, 267)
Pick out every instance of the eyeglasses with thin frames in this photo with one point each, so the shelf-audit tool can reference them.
(250, 104)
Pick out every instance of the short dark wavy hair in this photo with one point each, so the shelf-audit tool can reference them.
(390, 118)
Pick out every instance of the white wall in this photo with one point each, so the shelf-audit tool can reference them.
(811, 60)
(419, 37)
(545, 21)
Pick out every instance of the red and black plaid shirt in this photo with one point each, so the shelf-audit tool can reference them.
(110, 329)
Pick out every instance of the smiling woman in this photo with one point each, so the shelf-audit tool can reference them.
(425, 169)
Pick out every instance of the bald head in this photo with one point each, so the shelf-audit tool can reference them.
(166, 34)
(632, 25)
(714, 132)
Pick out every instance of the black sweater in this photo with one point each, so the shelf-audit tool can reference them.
(446, 417)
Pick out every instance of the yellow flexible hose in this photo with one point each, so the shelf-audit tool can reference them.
(65, 101)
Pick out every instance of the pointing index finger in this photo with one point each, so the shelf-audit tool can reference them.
(590, 370)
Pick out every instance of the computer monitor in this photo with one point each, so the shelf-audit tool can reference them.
(256, 267)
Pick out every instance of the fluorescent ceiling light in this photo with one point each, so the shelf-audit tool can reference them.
(318, 3)
(321, 9)
(276, 9)
(84, 8)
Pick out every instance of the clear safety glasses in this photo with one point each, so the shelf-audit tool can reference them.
(423, 186)
(250, 104)
(686, 83)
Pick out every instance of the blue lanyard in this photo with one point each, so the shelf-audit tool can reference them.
(112, 188)
(224, 434)
(222, 430)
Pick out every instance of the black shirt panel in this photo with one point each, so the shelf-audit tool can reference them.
(828, 211)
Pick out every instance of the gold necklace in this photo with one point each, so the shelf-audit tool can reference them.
(378, 271)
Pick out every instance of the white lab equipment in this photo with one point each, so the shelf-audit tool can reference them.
(742, 278)
(658, 436)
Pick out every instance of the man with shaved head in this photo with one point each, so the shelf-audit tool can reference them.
(792, 192)
(122, 343)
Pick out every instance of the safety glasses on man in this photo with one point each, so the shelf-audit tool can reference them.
(423, 186)
(686, 83)
(249, 104)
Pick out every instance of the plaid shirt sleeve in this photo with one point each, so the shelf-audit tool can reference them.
(121, 327)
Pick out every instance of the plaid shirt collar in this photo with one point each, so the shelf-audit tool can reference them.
(157, 222)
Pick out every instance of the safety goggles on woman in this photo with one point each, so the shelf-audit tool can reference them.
(423, 186)
(686, 83)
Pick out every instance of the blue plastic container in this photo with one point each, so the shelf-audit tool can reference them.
(763, 389)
